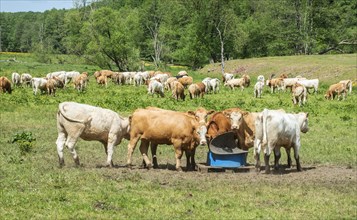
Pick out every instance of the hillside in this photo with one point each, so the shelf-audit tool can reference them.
(327, 68)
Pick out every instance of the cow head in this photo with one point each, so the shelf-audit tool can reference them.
(303, 122)
(202, 131)
(201, 115)
(235, 117)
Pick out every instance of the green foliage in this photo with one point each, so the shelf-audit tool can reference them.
(25, 142)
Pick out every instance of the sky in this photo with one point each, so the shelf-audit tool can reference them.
(34, 5)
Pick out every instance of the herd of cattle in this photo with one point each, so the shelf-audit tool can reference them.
(157, 82)
(269, 130)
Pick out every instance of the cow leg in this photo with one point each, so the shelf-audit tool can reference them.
(296, 155)
(144, 146)
(190, 159)
(61, 140)
(266, 157)
(131, 147)
(153, 153)
(289, 156)
(70, 143)
(178, 156)
(112, 140)
(257, 149)
(277, 156)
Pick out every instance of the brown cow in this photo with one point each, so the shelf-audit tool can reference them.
(275, 83)
(102, 80)
(196, 90)
(218, 124)
(178, 90)
(5, 85)
(186, 81)
(246, 80)
(336, 89)
(179, 129)
(50, 87)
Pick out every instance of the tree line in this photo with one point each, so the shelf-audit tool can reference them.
(118, 34)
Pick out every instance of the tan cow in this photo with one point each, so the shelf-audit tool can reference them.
(102, 80)
(236, 83)
(80, 82)
(186, 81)
(336, 89)
(179, 129)
(217, 124)
(246, 80)
(277, 83)
(169, 83)
(299, 94)
(178, 90)
(50, 87)
(348, 84)
(5, 85)
(197, 90)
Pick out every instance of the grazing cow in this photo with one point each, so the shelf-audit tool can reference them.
(246, 80)
(138, 79)
(226, 77)
(168, 83)
(181, 130)
(277, 129)
(118, 78)
(258, 89)
(102, 80)
(60, 74)
(5, 85)
(156, 87)
(236, 83)
(70, 75)
(16, 79)
(178, 90)
(26, 79)
(80, 82)
(348, 84)
(50, 87)
(59, 83)
(214, 85)
(299, 93)
(182, 73)
(38, 84)
(196, 90)
(275, 83)
(336, 89)
(290, 82)
(75, 120)
(310, 84)
(186, 81)
(206, 81)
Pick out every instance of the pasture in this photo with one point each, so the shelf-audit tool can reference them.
(33, 186)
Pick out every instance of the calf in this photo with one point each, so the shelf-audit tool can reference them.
(299, 94)
(186, 81)
(277, 83)
(75, 120)
(236, 83)
(26, 79)
(5, 85)
(178, 91)
(50, 87)
(102, 80)
(38, 84)
(16, 79)
(258, 89)
(336, 89)
(156, 87)
(348, 84)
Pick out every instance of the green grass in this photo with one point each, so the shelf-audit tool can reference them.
(33, 186)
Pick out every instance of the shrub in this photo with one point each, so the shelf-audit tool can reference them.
(25, 141)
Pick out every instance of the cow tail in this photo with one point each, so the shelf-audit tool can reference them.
(265, 126)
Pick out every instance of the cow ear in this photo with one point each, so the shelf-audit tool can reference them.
(225, 113)
(191, 113)
(211, 112)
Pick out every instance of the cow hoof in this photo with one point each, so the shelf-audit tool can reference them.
(179, 169)
(149, 166)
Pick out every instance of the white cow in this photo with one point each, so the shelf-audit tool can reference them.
(261, 78)
(275, 129)
(38, 84)
(155, 87)
(310, 84)
(90, 123)
(348, 84)
(57, 73)
(258, 88)
(26, 79)
(235, 83)
(214, 85)
(290, 82)
(138, 79)
(227, 76)
(16, 79)
(70, 75)
(207, 83)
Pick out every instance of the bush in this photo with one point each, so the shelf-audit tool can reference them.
(25, 141)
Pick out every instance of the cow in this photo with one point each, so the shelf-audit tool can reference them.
(246, 80)
(348, 84)
(156, 87)
(196, 90)
(207, 83)
(80, 82)
(70, 75)
(50, 87)
(16, 79)
(138, 79)
(258, 89)
(226, 77)
(290, 82)
(118, 78)
(186, 81)
(178, 90)
(236, 83)
(336, 89)
(217, 124)
(90, 123)
(277, 83)
(168, 83)
(38, 84)
(153, 126)
(310, 84)
(299, 94)
(261, 78)
(182, 73)
(26, 79)
(102, 80)
(59, 83)
(277, 129)
(5, 85)
(214, 85)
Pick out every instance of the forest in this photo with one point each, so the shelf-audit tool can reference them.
(120, 35)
